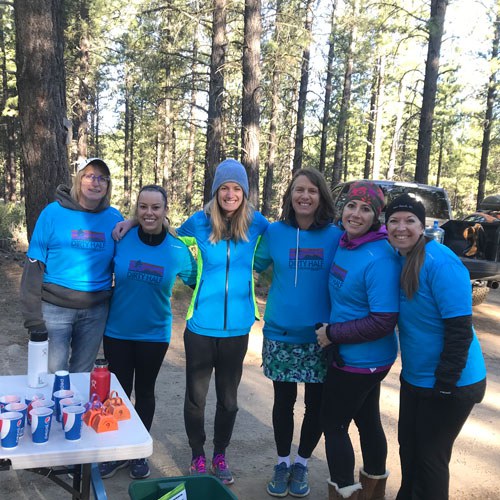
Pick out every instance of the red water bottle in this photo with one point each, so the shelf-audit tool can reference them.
(100, 379)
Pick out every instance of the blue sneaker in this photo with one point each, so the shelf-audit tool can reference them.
(109, 469)
(299, 487)
(139, 468)
(278, 486)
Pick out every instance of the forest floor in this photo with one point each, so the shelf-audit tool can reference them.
(475, 465)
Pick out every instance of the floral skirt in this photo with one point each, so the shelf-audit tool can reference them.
(285, 362)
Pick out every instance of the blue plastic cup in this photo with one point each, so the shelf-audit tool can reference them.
(21, 408)
(41, 419)
(72, 422)
(61, 381)
(10, 428)
(8, 398)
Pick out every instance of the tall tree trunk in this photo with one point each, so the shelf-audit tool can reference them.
(346, 98)
(441, 152)
(95, 124)
(379, 109)
(436, 22)
(127, 190)
(398, 121)
(304, 83)
(215, 96)
(82, 94)
(250, 107)
(346, 154)
(267, 194)
(192, 127)
(168, 43)
(168, 124)
(488, 118)
(42, 101)
(328, 91)
(7, 137)
(370, 134)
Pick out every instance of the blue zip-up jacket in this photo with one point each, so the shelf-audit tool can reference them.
(223, 303)
(298, 298)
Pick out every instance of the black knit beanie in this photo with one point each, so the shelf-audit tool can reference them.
(406, 203)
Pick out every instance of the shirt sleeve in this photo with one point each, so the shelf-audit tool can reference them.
(450, 285)
(262, 259)
(188, 272)
(41, 236)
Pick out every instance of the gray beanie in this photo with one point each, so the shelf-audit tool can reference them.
(230, 170)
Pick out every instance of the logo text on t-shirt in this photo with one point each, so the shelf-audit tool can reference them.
(337, 275)
(83, 238)
(308, 258)
(142, 271)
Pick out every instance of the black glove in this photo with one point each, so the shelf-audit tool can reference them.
(443, 390)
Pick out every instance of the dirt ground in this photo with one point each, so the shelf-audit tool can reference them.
(475, 465)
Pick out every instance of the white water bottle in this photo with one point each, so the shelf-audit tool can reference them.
(38, 359)
(435, 232)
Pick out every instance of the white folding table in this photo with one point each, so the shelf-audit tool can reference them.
(130, 441)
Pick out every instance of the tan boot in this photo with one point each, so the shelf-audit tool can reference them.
(350, 492)
(373, 486)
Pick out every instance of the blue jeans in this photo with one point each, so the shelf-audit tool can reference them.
(78, 329)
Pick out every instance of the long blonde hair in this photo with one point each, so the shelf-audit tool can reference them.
(410, 275)
(76, 188)
(233, 228)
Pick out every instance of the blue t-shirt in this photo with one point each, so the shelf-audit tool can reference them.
(75, 246)
(444, 292)
(144, 276)
(298, 297)
(364, 280)
(223, 303)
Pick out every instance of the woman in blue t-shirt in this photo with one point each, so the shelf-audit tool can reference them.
(364, 294)
(300, 247)
(443, 371)
(66, 283)
(147, 261)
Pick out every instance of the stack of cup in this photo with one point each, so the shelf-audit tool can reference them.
(58, 396)
(29, 399)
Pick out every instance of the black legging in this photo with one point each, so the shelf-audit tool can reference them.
(427, 429)
(205, 355)
(143, 359)
(353, 396)
(285, 395)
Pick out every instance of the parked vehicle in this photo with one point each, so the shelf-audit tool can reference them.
(476, 242)
(435, 199)
(490, 216)
(476, 239)
(489, 210)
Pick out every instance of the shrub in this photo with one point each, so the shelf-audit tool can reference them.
(12, 226)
